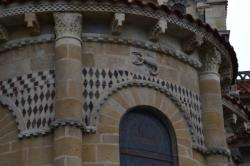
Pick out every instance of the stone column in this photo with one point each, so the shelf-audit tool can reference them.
(68, 103)
(212, 112)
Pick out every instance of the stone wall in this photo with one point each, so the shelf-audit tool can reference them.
(15, 152)
(27, 59)
(103, 146)
(71, 83)
(116, 56)
(35, 150)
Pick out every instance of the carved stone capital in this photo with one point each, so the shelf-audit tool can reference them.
(68, 25)
(159, 29)
(32, 23)
(117, 23)
(211, 60)
(192, 43)
(3, 34)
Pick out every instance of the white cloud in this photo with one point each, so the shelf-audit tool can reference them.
(238, 21)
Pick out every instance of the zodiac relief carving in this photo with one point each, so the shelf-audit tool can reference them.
(146, 60)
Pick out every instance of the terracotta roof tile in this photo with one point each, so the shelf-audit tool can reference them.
(238, 136)
(238, 103)
(243, 86)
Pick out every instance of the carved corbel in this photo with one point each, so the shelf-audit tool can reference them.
(161, 2)
(117, 23)
(159, 29)
(192, 43)
(3, 34)
(32, 23)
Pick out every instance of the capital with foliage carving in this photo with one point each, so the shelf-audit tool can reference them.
(68, 25)
(211, 60)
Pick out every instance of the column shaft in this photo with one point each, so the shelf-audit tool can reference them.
(212, 111)
(68, 103)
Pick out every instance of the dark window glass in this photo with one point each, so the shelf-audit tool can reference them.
(144, 140)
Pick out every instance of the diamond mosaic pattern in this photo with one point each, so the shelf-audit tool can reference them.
(33, 95)
(98, 81)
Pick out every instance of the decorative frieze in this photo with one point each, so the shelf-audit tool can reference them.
(117, 23)
(32, 23)
(3, 34)
(68, 25)
(158, 30)
(27, 41)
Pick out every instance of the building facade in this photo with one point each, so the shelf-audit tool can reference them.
(115, 82)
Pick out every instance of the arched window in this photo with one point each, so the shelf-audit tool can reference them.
(146, 138)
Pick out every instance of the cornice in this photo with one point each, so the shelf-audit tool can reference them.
(136, 7)
(27, 41)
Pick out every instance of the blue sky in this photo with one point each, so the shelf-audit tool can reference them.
(238, 21)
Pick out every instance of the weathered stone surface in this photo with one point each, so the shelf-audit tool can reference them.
(68, 108)
(40, 156)
(68, 70)
(69, 51)
(67, 146)
(210, 87)
(110, 138)
(108, 153)
(187, 161)
(89, 153)
(68, 89)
